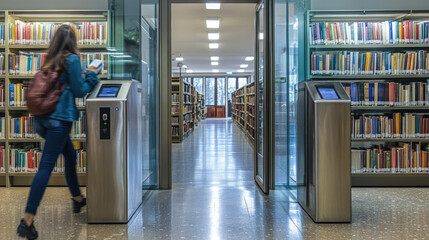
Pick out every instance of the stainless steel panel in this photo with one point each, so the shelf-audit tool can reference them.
(332, 158)
(134, 148)
(106, 168)
(324, 179)
(114, 166)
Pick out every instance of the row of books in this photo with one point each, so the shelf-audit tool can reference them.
(18, 94)
(175, 120)
(79, 126)
(2, 94)
(34, 33)
(175, 131)
(251, 99)
(369, 63)
(22, 127)
(28, 160)
(251, 89)
(398, 125)
(175, 98)
(28, 63)
(2, 159)
(388, 93)
(2, 34)
(2, 64)
(386, 32)
(405, 158)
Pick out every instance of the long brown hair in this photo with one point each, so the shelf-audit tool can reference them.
(62, 45)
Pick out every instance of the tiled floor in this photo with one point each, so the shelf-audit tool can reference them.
(214, 197)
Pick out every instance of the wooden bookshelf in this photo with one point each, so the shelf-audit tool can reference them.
(187, 107)
(243, 109)
(377, 179)
(7, 111)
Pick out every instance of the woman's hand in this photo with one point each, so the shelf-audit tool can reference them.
(92, 69)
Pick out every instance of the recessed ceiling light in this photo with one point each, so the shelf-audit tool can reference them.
(228, 72)
(189, 71)
(215, 70)
(213, 45)
(212, 22)
(240, 70)
(249, 58)
(213, 36)
(214, 58)
(212, 6)
(215, 63)
(179, 59)
(244, 66)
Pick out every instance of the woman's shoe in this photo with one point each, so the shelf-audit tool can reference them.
(27, 231)
(78, 205)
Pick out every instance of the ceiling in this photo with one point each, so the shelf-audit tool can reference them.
(190, 37)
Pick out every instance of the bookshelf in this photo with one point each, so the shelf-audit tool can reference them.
(381, 59)
(186, 105)
(25, 39)
(243, 109)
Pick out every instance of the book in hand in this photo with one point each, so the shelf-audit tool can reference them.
(97, 64)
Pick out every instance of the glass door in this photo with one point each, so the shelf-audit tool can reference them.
(261, 159)
(215, 97)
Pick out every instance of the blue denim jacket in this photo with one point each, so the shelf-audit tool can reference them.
(77, 87)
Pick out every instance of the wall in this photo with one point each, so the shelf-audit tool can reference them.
(368, 4)
(54, 5)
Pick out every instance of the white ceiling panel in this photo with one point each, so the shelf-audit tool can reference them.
(190, 36)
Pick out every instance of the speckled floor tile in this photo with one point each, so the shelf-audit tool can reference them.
(214, 197)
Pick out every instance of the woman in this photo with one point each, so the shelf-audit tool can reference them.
(55, 128)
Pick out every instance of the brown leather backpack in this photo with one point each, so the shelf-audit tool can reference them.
(44, 93)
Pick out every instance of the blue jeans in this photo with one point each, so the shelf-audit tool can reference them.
(57, 136)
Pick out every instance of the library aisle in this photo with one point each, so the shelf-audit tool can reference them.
(214, 197)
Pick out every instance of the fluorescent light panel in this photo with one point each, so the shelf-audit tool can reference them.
(179, 59)
(240, 70)
(212, 6)
(189, 71)
(213, 36)
(215, 70)
(212, 22)
(249, 58)
(215, 63)
(244, 66)
(214, 58)
(213, 45)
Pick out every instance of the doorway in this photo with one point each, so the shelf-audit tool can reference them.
(215, 97)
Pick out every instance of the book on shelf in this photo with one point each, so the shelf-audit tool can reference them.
(175, 110)
(41, 33)
(369, 63)
(28, 161)
(397, 125)
(175, 98)
(87, 58)
(357, 33)
(79, 126)
(2, 34)
(388, 93)
(2, 63)
(175, 131)
(2, 94)
(22, 127)
(25, 63)
(175, 120)
(18, 94)
(2, 127)
(2, 159)
(400, 158)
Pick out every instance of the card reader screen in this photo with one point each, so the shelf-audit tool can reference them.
(327, 93)
(109, 90)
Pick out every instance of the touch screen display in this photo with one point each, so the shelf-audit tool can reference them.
(109, 91)
(327, 93)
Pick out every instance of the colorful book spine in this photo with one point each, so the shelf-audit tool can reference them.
(357, 33)
(2, 34)
(404, 158)
(2, 64)
(397, 125)
(2, 128)
(25, 63)
(18, 94)
(2, 159)
(87, 58)
(79, 127)
(41, 33)
(22, 127)
(388, 93)
(369, 63)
